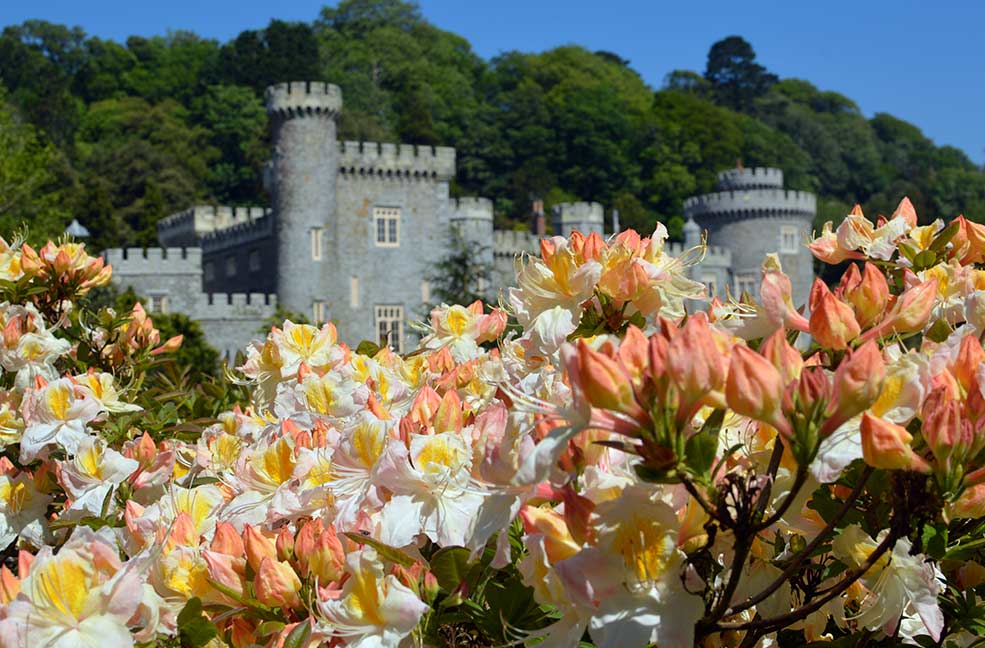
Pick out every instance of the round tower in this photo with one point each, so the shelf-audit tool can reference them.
(752, 215)
(302, 176)
(582, 216)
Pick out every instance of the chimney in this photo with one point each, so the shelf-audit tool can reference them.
(615, 221)
(539, 223)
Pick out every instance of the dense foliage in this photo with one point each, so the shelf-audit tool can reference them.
(593, 465)
(126, 133)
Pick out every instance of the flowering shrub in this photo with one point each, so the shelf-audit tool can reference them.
(621, 467)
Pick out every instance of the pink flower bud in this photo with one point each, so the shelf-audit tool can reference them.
(697, 365)
(754, 388)
(277, 585)
(258, 547)
(558, 542)
(783, 356)
(327, 561)
(226, 570)
(858, 382)
(833, 323)
(868, 293)
(227, 541)
(887, 445)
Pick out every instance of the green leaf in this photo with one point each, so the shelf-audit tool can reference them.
(700, 448)
(385, 550)
(945, 236)
(194, 629)
(934, 540)
(450, 565)
(368, 348)
(299, 636)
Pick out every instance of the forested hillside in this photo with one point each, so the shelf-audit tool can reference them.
(121, 134)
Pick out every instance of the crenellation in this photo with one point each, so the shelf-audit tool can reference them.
(778, 201)
(755, 178)
(235, 306)
(303, 99)
(188, 227)
(130, 261)
(241, 233)
(472, 208)
(401, 161)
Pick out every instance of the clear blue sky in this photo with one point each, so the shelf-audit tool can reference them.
(921, 61)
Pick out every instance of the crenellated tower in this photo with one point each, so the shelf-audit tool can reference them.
(303, 172)
(753, 215)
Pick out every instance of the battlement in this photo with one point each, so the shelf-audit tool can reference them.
(580, 212)
(761, 202)
(715, 255)
(239, 234)
(396, 160)
(471, 208)
(757, 178)
(303, 99)
(156, 261)
(186, 227)
(509, 243)
(234, 306)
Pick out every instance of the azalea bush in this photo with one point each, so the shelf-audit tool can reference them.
(606, 458)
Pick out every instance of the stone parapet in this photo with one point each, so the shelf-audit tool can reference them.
(187, 227)
(397, 160)
(760, 202)
(303, 99)
(239, 234)
(757, 178)
(471, 208)
(509, 243)
(234, 306)
(157, 261)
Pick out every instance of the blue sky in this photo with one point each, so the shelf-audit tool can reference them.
(921, 61)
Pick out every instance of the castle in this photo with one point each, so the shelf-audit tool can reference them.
(355, 230)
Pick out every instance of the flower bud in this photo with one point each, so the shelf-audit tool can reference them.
(277, 585)
(604, 383)
(226, 570)
(887, 445)
(697, 365)
(783, 356)
(909, 314)
(226, 540)
(942, 424)
(558, 542)
(868, 295)
(754, 388)
(833, 323)
(285, 544)
(258, 547)
(776, 297)
(970, 356)
(327, 561)
(858, 383)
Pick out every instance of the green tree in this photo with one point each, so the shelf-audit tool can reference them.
(140, 162)
(237, 125)
(30, 191)
(284, 51)
(735, 77)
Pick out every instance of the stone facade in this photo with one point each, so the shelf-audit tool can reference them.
(356, 228)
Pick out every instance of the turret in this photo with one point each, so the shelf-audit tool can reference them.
(752, 215)
(582, 216)
(303, 176)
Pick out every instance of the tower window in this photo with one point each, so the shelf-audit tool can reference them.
(789, 239)
(230, 266)
(209, 271)
(390, 326)
(746, 282)
(254, 260)
(386, 221)
(158, 304)
(354, 292)
(316, 243)
(318, 312)
(425, 291)
(711, 283)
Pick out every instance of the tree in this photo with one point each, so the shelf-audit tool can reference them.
(734, 74)
(284, 51)
(464, 274)
(30, 192)
(237, 125)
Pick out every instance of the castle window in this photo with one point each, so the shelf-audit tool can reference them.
(210, 271)
(746, 282)
(711, 283)
(425, 291)
(789, 239)
(318, 312)
(390, 326)
(158, 304)
(230, 266)
(254, 260)
(354, 292)
(316, 243)
(387, 223)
